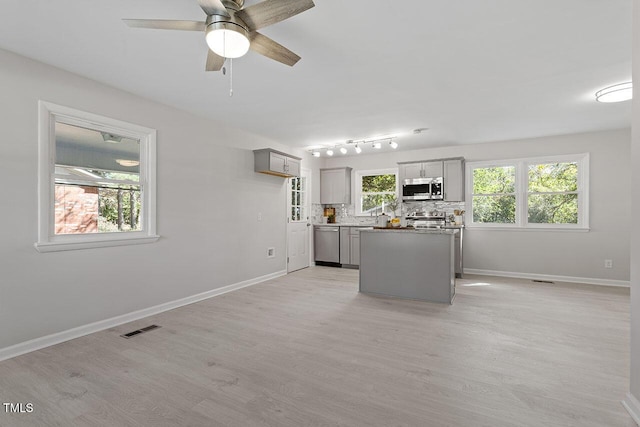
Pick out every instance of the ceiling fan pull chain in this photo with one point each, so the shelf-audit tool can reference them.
(230, 77)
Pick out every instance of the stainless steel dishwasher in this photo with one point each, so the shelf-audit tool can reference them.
(327, 244)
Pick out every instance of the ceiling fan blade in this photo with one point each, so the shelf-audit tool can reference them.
(214, 61)
(271, 11)
(213, 7)
(271, 49)
(166, 24)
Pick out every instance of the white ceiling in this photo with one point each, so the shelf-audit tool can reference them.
(469, 70)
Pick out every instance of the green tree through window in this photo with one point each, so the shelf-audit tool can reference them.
(494, 195)
(377, 189)
(553, 193)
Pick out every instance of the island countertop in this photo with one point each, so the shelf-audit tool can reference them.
(411, 230)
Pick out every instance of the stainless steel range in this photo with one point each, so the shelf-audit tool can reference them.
(432, 219)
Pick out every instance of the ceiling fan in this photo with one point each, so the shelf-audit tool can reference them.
(231, 30)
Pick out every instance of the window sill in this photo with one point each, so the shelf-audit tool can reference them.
(499, 228)
(91, 244)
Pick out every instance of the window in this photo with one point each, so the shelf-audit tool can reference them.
(547, 192)
(375, 189)
(494, 195)
(96, 181)
(298, 199)
(552, 193)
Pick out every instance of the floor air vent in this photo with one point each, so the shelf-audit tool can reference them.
(139, 331)
(544, 281)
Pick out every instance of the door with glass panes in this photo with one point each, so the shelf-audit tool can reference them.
(298, 225)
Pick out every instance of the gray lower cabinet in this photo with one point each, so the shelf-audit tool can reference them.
(354, 241)
(345, 246)
(350, 245)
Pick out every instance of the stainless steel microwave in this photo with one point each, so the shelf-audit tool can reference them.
(419, 189)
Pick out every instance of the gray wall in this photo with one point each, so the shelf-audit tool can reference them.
(572, 254)
(208, 200)
(635, 233)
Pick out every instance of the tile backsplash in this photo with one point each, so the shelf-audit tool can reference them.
(346, 213)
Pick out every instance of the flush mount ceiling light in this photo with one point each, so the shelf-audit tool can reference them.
(329, 152)
(616, 93)
(128, 163)
(343, 150)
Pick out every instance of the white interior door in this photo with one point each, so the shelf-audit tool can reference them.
(298, 225)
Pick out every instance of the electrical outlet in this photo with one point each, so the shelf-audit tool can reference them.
(259, 216)
(271, 252)
(608, 263)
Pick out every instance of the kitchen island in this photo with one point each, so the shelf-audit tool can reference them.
(415, 264)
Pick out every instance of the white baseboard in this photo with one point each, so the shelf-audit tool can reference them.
(632, 406)
(587, 280)
(49, 340)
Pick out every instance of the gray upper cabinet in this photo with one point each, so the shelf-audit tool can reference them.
(411, 171)
(454, 180)
(335, 186)
(431, 169)
(277, 163)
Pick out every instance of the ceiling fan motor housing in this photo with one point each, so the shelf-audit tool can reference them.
(215, 22)
(233, 4)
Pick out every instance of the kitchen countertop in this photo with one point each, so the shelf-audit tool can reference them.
(345, 224)
(350, 224)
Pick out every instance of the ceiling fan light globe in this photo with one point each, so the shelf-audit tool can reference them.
(227, 39)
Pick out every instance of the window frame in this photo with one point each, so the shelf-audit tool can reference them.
(48, 241)
(522, 192)
(358, 185)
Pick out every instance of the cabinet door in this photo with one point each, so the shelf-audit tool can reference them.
(277, 162)
(345, 248)
(355, 249)
(432, 169)
(293, 167)
(410, 171)
(332, 186)
(453, 181)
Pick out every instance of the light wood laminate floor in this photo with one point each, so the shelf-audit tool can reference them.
(308, 350)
